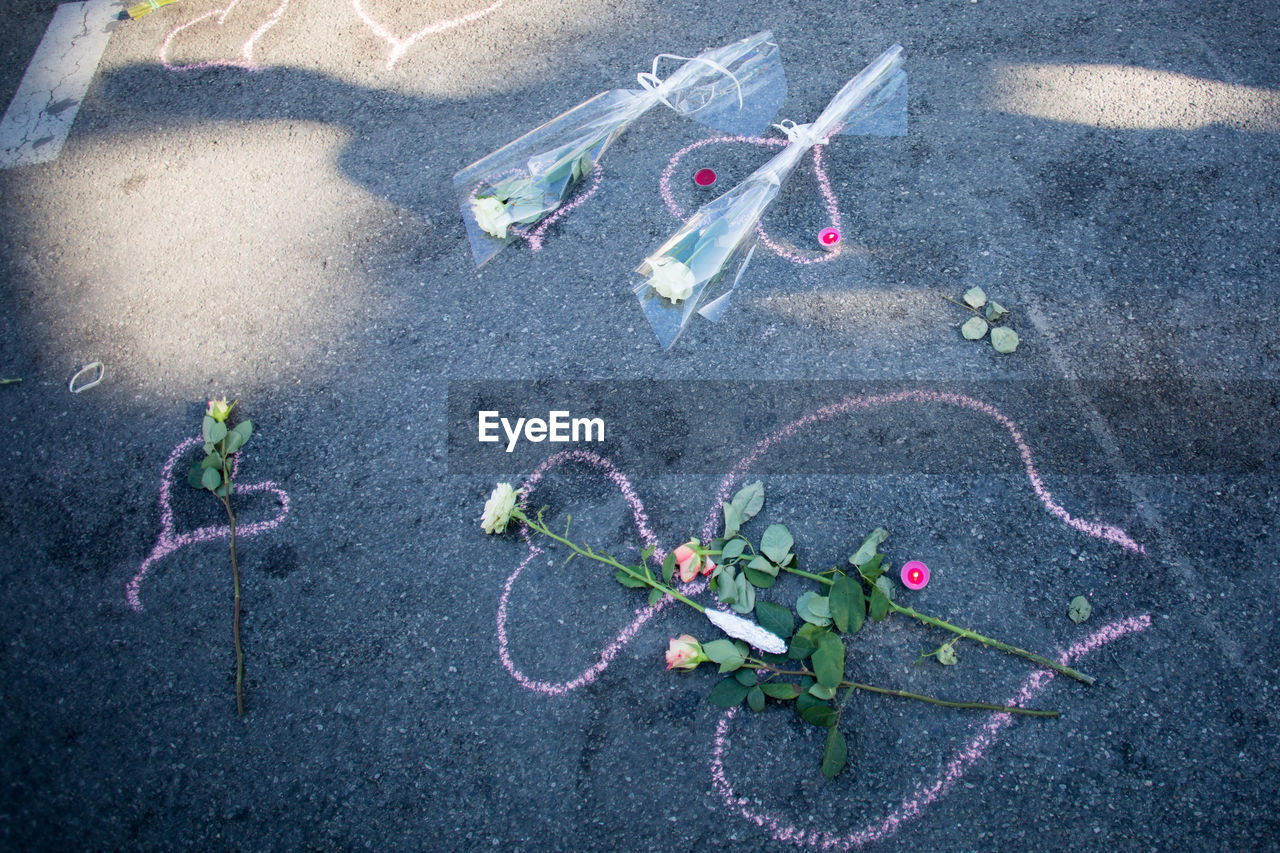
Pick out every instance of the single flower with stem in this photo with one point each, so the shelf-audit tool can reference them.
(215, 473)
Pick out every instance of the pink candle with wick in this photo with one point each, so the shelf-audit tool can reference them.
(915, 575)
(828, 237)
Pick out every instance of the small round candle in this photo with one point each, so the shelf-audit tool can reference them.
(828, 237)
(704, 177)
(915, 575)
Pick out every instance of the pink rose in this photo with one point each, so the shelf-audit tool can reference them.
(684, 652)
(687, 561)
(709, 567)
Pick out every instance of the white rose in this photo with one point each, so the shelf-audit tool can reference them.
(498, 509)
(672, 279)
(491, 215)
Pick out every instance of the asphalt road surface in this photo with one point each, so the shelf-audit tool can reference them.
(256, 200)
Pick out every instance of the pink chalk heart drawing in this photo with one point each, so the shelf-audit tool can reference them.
(171, 540)
(982, 737)
(240, 22)
(790, 253)
(400, 44)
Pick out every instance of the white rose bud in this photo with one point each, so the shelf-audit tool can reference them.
(672, 279)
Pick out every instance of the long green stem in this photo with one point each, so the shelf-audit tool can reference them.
(235, 582)
(965, 632)
(538, 525)
(995, 644)
(904, 694)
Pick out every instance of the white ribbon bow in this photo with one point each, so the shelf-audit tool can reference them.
(651, 82)
(801, 134)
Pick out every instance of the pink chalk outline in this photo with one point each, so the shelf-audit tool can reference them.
(912, 807)
(819, 171)
(170, 540)
(399, 45)
(246, 49)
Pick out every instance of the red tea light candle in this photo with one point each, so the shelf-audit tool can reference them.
(704, 177)
(828, 237)
(915, 575)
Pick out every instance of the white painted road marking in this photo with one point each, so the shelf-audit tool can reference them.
(40, 116)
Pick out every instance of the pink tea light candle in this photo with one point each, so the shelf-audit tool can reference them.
(915, 575)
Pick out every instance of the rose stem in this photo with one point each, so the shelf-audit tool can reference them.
(965, 632)
(945, 703)
(542, 528)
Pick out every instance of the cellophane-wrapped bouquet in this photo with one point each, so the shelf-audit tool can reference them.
(697, 269)
(736, 89)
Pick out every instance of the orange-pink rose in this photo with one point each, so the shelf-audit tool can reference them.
(687, 561)
(684, 652)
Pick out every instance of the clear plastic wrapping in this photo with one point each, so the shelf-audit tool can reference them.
(736, 89)
(697, 269)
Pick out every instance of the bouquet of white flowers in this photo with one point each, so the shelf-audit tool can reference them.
(735, 89)
(696, 270)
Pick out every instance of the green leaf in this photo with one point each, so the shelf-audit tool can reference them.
(758, 578)
(814, 608)
(750, 500)
(745, 598)
(214, 431)
(1080, 609)
(732, 520)
(828, 660)
(819, 714)
(761, 563)
(801, 646)
(776, 543)
(886, 586)
(879, 607)
(1004, 340)
(213, 460)
(239, 436)
(780, 690)
(847, 603)
(669, 566)
(947, 654)
(867, 549)
(835, 755)
(727, 589)
(194, 476)
(733, 549)
(975, 297)
(974, 328)
(746, 677)
(628, 581)
(826, 694)
(727, 693)
(655, 595)
(720, 650)
(872, 570)
(996, 312)
(221, 491)
(755, 699)
(775, 618)
(210, 479)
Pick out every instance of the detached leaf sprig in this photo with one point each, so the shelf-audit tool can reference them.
(990, 316)
(215, 474)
